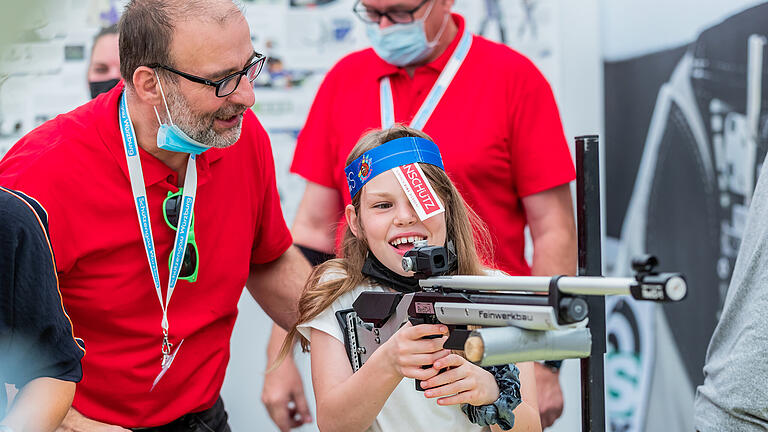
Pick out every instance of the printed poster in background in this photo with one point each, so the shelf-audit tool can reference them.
(43, 73)
(302, 40)
(306, 38)
(530, 27)
(690, 126)
(629, 361)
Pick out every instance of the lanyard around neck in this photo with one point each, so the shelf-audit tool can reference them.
(142, 210)
(434, 96)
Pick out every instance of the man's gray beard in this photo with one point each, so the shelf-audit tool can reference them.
(200, 128)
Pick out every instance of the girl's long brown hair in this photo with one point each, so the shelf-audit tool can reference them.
(463, 226)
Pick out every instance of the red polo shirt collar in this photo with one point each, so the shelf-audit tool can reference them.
(384, 68)
(153, 168)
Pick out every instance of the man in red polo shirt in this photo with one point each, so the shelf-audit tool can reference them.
(493, 114)
(163, 205)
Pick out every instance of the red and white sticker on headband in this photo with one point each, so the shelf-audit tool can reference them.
(418, 190)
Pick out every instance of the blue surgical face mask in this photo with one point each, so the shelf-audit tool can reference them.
(404, 44)
(170, 137)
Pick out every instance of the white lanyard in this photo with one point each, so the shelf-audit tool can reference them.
(140, 200)
(434, 96)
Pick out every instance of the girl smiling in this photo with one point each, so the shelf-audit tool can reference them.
(387, 216)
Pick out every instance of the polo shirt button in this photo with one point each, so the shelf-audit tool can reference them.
(170, 179)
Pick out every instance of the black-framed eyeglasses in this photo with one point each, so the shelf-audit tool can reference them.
(373, 16)
(227, 85)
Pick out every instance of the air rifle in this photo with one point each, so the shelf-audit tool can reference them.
(567, 314)
(523, 318)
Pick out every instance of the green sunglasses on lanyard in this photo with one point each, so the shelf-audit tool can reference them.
(191, 262)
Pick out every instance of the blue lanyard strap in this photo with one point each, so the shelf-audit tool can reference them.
(434, 96)
(138, 188)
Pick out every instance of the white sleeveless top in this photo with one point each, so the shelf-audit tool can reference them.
(406, 409)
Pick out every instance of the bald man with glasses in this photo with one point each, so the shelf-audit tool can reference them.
(163, 205)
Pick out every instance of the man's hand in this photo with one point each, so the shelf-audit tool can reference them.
(283, 392)
(550, 394)
(283, 395)
(76, 422)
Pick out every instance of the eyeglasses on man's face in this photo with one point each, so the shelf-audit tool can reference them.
(373, 16)
(227, 85)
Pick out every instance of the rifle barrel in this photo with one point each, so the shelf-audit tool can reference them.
(582, 285)
(653, 287)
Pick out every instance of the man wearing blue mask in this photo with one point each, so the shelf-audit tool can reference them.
(496, 120)
(163, 205)
(405, 43)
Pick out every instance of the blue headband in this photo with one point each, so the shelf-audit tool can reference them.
(392, 154)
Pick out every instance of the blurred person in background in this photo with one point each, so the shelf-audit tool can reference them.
(39, 355)
(501, 138)
(104, 66)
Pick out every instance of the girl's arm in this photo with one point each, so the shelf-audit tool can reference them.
(351, 401)
(527, 413)
(469, 383)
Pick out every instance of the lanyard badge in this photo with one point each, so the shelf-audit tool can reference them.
(142, 210)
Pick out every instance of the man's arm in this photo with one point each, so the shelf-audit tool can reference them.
(283, 391)
(76, 422)
(316, 220)
(277, 285)
(314, 228)
(56, 396)
(553, 230)
(45, 361)
(25, 414)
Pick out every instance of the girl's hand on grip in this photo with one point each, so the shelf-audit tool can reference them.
(407, 350)
(464, 382)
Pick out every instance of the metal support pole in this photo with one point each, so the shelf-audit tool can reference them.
(588, 221)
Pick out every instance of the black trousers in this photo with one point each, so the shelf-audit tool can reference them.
(214, 419)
